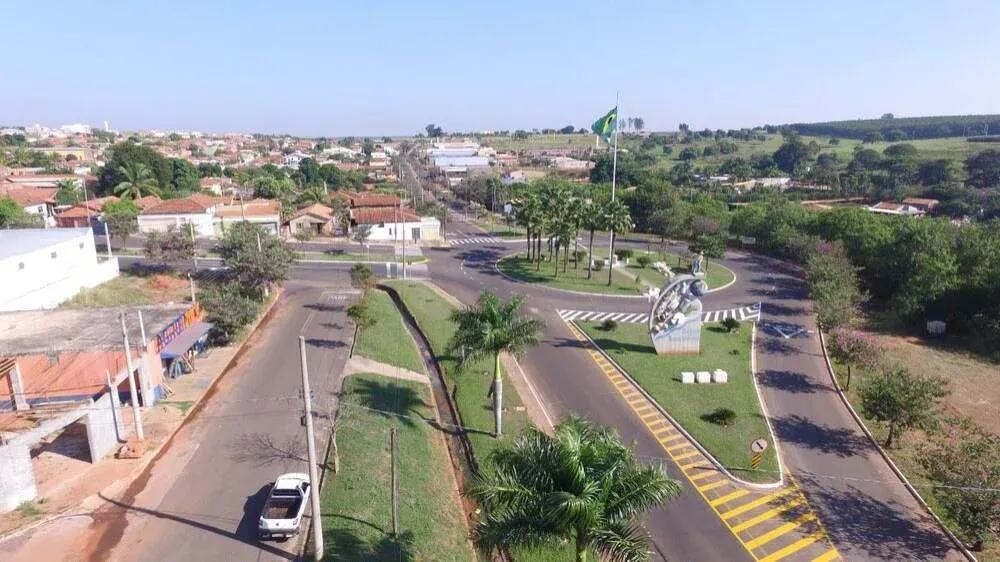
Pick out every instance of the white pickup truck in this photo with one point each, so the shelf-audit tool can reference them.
(282, 513)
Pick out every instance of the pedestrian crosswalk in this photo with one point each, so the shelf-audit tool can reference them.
(746, 313)
(484, 240)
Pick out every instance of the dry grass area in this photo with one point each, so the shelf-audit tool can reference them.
(974, 383)
(133, 290)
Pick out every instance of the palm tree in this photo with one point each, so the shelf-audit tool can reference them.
(489, 328)
(529, 213)
(315, 193)
(638, 123)
(581, 485)
(575, 217)
(139, 181)
(616, 219)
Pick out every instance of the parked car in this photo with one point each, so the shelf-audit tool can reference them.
(282, 513)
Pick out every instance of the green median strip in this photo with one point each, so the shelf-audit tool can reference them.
(695, 406)
(356, 502)
(387, 341)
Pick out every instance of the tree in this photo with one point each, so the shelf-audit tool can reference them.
(617, 220)
(270, 187)
(68, 194)
(137, 183)
(363, 278)
(313, 194)
(965, 465)
(873, 137)
(935, 172)
(903, 400)
(854, 349)
(433, 131)
(255, 257)
(489, 328)
(127, 155)
(360, 313)
(581, 485)
(228, 308)
(13, 216)
(638, 123)
(567, 130)
(122, 218)
(688, 153)
(833, 285)
(184, 176)
(984, 169)
(171, 247)
(793, 154)
(593, 220)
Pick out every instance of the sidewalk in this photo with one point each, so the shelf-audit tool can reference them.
(66, 480)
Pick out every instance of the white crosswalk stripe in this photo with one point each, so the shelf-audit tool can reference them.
(745, 313)
(484, 240)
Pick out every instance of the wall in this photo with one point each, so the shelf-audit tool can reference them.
(45, 282)
(270, 223)
(387, 231)
(104, 426)
(161, 223)
(17, 479)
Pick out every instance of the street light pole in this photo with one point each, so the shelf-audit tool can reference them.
(311, 446)
(133, 395)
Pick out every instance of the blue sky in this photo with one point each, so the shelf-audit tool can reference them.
(338, 68)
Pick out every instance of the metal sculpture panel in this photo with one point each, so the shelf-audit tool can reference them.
(675, 319)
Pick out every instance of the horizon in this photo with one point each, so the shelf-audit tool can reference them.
(314, 70)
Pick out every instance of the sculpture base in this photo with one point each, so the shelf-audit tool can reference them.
(681, 340)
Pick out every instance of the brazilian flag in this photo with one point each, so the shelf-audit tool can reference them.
(605, 126)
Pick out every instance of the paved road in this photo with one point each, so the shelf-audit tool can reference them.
(867, 512)
(202, 498)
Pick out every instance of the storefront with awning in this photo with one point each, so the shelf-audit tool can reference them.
(183, 347)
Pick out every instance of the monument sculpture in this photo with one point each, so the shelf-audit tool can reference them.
(675, 318)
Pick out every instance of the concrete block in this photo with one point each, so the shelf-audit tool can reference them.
(687, 377)
(704, 377)
(720, 376)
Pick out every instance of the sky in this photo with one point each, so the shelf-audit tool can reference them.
(339, 68)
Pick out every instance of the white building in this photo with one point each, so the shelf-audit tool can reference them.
(42, 268)
(390, 224)
(196, 210)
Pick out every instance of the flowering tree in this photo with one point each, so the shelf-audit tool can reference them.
(855, 348)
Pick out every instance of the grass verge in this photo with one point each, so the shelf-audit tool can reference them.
(388, 340)
(691, 404)
(573, 279)
(356, 503)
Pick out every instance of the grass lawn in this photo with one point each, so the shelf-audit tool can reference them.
(718, 274)
(388, 340)
(133, 290)
(433, 315)
(630, 346)
(521, 269)
(356, 503)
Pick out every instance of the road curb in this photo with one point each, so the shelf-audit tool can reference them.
(694, 442)
(496, 266)
(139, 468)
(727, 285)
(763, 404)
(892, 465)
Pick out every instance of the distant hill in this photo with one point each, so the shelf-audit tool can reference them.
(911, 127)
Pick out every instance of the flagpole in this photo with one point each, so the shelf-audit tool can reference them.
(614, 172)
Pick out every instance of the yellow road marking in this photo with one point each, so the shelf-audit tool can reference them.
(769, 514)
(775, 533)
(702, 475)
(728, 497)
(755, 503)
(827, 556)
(674, 448)
(714, 485)
(793, 548)
(686, 455)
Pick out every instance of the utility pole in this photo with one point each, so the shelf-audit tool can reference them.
(194, 299)
(133, 395)
(194, 243)
(260, 250)
(395, 488)
(107, 237)
(113, 399)
(403, 217)
(311, 444)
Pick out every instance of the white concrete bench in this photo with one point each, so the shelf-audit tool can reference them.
(720, 376)
(687, 377)
(704, 377)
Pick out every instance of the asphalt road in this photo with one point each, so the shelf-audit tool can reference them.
(201, 499)
(867, 512)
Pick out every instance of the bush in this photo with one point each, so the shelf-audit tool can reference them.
(644, 260)
(361, 314)
(731, 324)
(609, 325)
(598, 265)
(721, 416)
(304, 234)
(624, 253)
(229, 307)
(579, 255)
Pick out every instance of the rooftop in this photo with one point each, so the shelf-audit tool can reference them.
(84, 329)
(379, 215)
(16, 242)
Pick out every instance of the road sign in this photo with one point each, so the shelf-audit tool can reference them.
(758, 445)
(755, 461)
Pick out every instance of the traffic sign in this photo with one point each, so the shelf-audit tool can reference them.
(758, 445)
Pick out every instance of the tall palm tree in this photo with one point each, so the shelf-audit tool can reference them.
(529, 214)
(575, 217)
(488, 328)
(139, 181)
(616, 220)
(581, 485)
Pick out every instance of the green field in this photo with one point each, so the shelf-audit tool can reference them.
(433, 315)
(388, 340)
(506, 143)
(356, 503)
(629, 345)
(574, 279)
